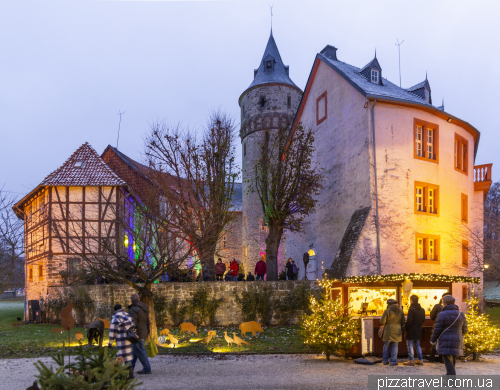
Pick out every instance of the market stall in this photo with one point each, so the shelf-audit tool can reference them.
(366, 299)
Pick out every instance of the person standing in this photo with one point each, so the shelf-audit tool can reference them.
(140, 313)
(289, 269)
(413, 327)
(449, 330)
(233, 270)
(241, 270)
(220, 268)
(120, 324)
(250, 277)
(393, 320)
(295, 270)
(438, 307)
(260, 269)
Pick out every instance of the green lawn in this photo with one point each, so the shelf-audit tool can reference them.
(35, 340)
(494, 313)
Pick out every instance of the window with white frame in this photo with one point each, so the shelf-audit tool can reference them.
(420, 249)
(430, 143)
(430, 200)
(427, 247)
(223, 241)
(374, 77)
(420, 198)
(418, 140)
(426, 138)
(426, 198)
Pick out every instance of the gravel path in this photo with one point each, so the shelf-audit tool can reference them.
(253, 372)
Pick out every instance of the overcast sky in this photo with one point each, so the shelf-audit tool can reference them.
(68, 67)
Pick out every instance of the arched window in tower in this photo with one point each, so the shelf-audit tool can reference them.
(262, 101)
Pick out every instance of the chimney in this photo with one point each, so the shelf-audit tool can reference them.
(330, 52)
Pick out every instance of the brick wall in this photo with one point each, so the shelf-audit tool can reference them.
(105, 296)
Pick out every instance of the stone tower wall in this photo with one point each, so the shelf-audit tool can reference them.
(274, 114)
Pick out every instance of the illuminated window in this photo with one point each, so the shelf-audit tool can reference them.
(374, 75)
(30, 273)
(430, 143)
(426, 141)
(418, 140)
(420, 198)
(427, 248)
(461, 153)
(245, 250)
(465, 253)
(40, 272)
(262, 226)
(465, 293)
(464, 206)
(223, 241)
(426, 198)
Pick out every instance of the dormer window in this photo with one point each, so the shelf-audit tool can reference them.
(374, 76)
(269, 64)
(78, 164)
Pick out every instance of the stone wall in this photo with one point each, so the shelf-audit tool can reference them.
(105, 296)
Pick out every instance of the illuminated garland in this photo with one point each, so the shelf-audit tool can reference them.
(401, 277)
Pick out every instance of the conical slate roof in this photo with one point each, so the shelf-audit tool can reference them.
(84, 168)
(278, 73)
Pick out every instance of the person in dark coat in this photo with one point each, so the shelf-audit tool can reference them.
(95, 332)
(140, 313)
(220, 268)
(448, 333)
(289, 269)
(394, 321)
(438, 307)
(260, 269)
(250, 277)
(413, 327)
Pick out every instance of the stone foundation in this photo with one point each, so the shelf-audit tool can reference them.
(106, 296)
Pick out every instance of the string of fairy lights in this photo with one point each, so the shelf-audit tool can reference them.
(400, 277)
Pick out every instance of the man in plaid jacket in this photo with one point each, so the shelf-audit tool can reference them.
(120, 324)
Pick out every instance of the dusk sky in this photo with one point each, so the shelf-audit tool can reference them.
(68, 67)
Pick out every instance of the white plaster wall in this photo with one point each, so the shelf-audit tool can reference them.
(397, 170)
(341, 143)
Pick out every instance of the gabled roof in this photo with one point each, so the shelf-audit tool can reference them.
(423, 84)
(92, 172)
(373, 64)
(141, 169)
(279, 73)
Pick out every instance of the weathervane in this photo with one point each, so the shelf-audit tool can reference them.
(271, 7)
(399, 55)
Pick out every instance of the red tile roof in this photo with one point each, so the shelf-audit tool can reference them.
(84, 168)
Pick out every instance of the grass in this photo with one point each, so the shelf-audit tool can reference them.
(36, 340)
(494, 313)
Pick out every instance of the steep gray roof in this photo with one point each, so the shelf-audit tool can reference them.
(348, 243)
(387, 90)
(278, 74)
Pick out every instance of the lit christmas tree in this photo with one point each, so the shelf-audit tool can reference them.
(482, 336)
(330, 327)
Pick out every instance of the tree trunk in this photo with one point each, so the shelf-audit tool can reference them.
(272, 246)
(327, 356)
(207, 257)
(147, 298)
(475, 356)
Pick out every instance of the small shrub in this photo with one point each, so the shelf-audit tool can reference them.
(256, 302)
(93, 369)
(202, 308)
(177, 311)
(160, 306)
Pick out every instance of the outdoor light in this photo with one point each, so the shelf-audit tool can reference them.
(366, 104)
(449, 120)
(134, 247)
(125, 241)
(486, 266)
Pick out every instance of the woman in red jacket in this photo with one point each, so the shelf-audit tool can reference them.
(233, 270)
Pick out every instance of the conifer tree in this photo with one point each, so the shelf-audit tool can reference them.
(330, 327)
(482, 336)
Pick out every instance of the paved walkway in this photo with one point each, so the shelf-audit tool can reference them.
(254, 372)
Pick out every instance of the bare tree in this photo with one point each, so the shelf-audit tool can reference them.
(197, 176)
(11, 242)
(136, 245)
(287, 183)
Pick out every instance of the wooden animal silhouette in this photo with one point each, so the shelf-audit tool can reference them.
(57, 330)
(239, 341)
(205, 340)
(173, 340)
(188, 327)
(107, 324)
(228, 339)
(212, 333)
(34, 387)
(165, 332)
(250, 326)
(16, 324)
(67, 320)
(78, 335)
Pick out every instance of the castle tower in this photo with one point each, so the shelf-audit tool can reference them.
(269, 103)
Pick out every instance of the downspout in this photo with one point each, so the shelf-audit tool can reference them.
(377, 254)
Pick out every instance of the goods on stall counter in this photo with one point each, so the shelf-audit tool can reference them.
(188, 327)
